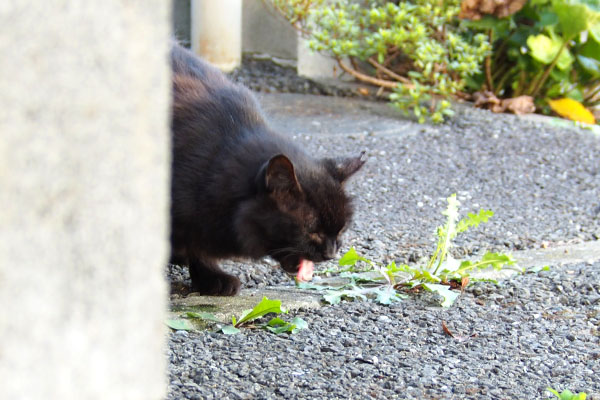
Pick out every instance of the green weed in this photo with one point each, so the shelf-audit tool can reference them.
(264, 307)
(567, 394)
(439, 275)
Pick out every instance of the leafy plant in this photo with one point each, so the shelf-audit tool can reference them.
(416, 49)
(436, 276)
(264, 307)
(549, 49)
(361, 286)
(567, 394)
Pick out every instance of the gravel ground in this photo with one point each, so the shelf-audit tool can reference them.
(534, 331)
(262, 75)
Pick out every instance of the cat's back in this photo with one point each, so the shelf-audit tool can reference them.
(205, 101)
(186, 65)
(218, 135)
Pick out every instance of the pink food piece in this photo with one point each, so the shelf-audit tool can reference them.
(305, 270)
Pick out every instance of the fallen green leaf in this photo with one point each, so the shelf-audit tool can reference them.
(387, 295)
(277, 325)
(335, 296)
(204, 316)
(448, 295)
(538, 268)
(179, 324)
(299, 324)
(230, 330)
(265, 306)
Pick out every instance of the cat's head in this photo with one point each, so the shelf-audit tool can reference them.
(300, 211)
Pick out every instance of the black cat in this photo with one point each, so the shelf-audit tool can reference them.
(241, 190)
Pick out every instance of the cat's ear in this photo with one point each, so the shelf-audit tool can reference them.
(280, 175)
(343, 168)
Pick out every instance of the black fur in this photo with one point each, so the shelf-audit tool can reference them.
(241, 190)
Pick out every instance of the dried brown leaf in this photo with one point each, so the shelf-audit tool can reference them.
(463, 283)
(406, 288)
(487, 6)
(452, 284)
(484, 98)
(363, 91)
(475, 9)
(446, 330)
(497, 108)
(519, 105)
(458, 338)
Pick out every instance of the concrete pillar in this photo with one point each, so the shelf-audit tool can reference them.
(217, 32)
(84, 164)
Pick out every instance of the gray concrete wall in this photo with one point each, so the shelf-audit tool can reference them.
(265, 32)
(84, 198)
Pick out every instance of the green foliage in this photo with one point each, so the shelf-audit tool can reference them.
(348, 292)
(448, 295)
(536, 269)
(277, 325)
(204, 316)
(567, 394)
(295, 11)
(264, 307)
(351, 258)
(473, 220)
(179, 324)
(435, 276)
(544, 49)
(549, 49)
(416, 48)
(230, 330)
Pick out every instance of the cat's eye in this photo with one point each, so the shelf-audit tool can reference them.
(317, 237)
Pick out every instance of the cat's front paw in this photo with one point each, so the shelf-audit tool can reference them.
(217, 285)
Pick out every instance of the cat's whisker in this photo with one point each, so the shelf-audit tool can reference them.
(289, 250)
